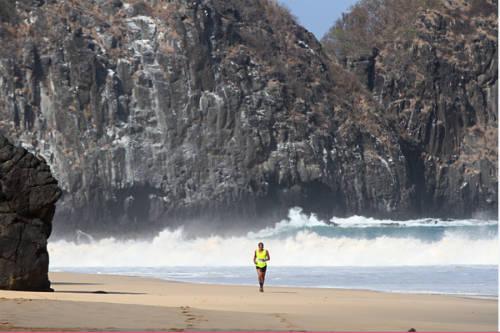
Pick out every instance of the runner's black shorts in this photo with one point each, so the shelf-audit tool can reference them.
(262, 269)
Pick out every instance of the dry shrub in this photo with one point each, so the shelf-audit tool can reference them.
(278, 14)
(371, 23)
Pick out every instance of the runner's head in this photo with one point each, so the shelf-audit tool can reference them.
(261, 246)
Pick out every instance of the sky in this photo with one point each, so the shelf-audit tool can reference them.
(318, 16)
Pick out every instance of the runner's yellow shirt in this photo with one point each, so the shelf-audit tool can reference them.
(261, 256)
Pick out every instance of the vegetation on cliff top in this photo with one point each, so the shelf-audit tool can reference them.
(371, 23)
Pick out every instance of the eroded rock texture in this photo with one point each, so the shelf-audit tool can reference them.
(155, 113)
(28, 194)
(440, 83)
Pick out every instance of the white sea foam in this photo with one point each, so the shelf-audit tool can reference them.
(303, 245)
(364, 222)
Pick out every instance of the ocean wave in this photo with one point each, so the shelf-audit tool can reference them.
(365, 222)
(303, 244)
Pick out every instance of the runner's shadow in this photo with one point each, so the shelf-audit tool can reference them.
(281, 292)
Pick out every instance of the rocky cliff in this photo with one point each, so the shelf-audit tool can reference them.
(155, 113)
(28, 194)
(438, 79)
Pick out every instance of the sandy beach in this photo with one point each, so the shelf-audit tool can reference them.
(107, 302)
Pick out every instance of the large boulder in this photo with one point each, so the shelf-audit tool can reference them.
(28, 194)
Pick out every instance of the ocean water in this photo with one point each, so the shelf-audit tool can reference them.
(418, 256)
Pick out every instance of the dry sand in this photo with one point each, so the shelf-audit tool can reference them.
(132, 303)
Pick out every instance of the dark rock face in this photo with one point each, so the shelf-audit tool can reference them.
(28, 194)
(153, 113)
(156, 112)
(441, 86)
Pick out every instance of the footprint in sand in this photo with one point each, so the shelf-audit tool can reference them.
(282, 318)
(191, 318)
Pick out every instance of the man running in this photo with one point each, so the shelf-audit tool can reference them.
(260, 259)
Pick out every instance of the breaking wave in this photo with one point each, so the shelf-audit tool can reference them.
(299, 240)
